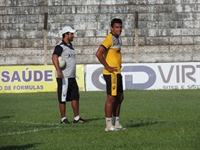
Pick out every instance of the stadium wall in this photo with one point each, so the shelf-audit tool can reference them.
(168, 30)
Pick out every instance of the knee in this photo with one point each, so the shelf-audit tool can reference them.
(121, 98)
(110, 99)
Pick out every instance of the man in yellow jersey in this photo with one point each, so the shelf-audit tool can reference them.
(109, 54)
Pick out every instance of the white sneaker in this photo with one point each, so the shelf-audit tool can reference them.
(119, 127)
(112, 128)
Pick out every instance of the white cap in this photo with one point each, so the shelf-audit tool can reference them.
(68, 29)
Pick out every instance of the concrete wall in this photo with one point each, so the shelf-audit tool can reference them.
(169, 30)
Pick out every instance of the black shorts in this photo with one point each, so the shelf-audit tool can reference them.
(114, 84)
(67, 89)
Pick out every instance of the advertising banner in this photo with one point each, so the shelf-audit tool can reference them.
(25, 79)
(146, 76)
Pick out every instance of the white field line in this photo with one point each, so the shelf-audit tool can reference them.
(32, 123)
(30, 131)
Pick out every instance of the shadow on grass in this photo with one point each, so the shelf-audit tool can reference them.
(22, 147)
(93, 119)
(142, 124)
(6, 117)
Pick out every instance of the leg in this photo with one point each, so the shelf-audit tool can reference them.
(116, 111)
(119, 97)
(75, 106)
(61, 99)
(74, 96)
(62, 107)
(111, 97)
(108, 112)
(109, 106)
(117, 104)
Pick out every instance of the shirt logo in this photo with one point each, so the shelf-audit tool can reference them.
(71, 56)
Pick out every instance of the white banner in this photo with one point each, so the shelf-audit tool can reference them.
(148, 76)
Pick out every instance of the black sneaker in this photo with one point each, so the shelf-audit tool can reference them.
(79, 121)
(65, 121)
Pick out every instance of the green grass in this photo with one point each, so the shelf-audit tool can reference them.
(154, 120)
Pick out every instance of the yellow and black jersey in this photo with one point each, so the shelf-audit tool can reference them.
(113, 54)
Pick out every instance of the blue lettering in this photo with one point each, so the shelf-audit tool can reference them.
(95, 79)
(24, 76)
(128, 78)
(15, 77)
(5, 75)
(129, 83)
(48, 75)
(37, 76)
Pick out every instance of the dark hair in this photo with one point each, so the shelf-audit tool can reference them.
(63, 36)
(115, 20)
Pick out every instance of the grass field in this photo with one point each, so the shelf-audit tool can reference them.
(154, 120)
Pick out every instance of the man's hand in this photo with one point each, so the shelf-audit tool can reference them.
(112, 69)
(55, 63)
(60, 75)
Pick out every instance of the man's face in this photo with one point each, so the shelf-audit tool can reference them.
(116, 29)
(70, 36)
